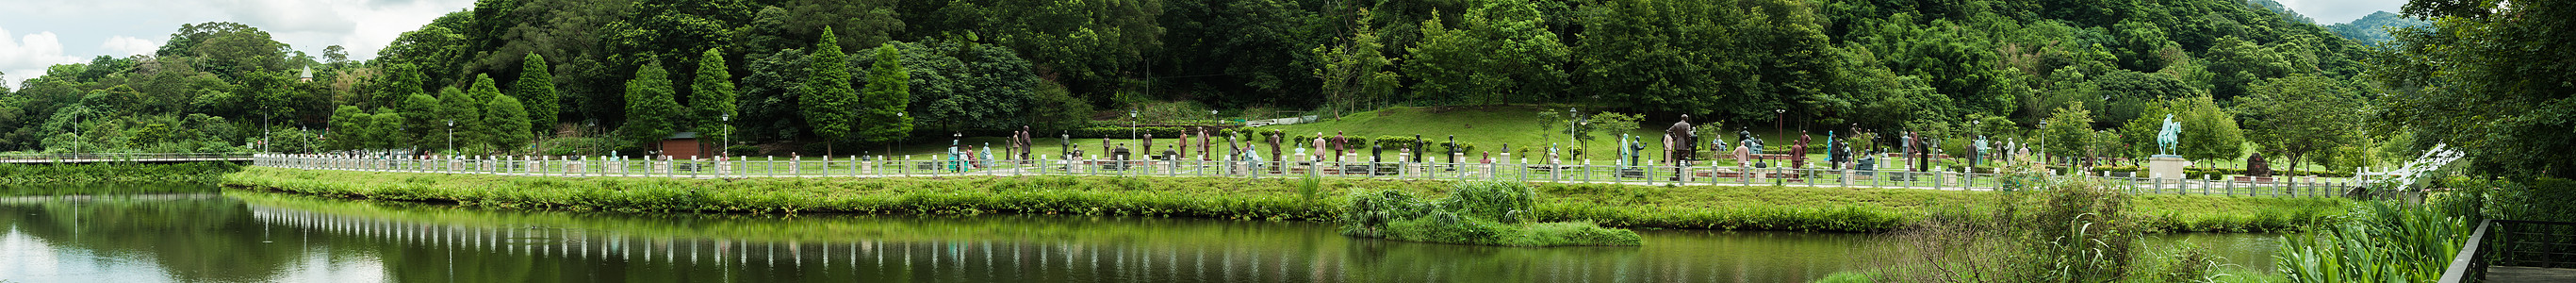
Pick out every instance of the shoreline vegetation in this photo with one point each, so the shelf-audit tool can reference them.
(115, 172)
(1822, 209)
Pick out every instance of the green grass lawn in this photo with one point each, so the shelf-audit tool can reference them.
(1696, 207)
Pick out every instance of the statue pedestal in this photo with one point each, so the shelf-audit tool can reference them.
(2166, 166)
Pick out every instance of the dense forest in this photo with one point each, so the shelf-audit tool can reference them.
(556, 76)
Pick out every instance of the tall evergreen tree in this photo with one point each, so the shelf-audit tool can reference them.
(508, 120)
(830, 107)
(458, 113)
(650, 112)
(713, 93)
(491, 128)
(536, 88)
(889, 91)
(420, 113)
(386, 129)
(347, 128)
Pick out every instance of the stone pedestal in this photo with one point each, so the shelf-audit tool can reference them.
(2168, 167)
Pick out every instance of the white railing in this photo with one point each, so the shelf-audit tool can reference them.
(753, 167)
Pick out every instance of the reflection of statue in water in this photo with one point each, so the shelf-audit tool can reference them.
(2166, 138)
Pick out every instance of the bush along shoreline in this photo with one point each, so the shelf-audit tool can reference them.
(1812, 209)
(115, 172)
(1476, 213)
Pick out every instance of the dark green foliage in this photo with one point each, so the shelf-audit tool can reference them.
(713, 95)
(509, 122)
(831, 110)
(460, 114)
(881, 106)
(2489, 78)
(651, 114)
(536, 87)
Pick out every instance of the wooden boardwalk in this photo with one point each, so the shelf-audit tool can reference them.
(2509, 274)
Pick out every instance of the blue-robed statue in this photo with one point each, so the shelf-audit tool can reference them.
(2165, 139)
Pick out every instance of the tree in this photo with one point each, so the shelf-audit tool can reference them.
(386, 130)
(1356, 71)
(650, 112)
(508, 121)
(2492, 79)
(830, 107)
(348, 128)
(889, 91)
(2208, 132)
(2300, 115)
(713, 93)
(492, 127)
(421, 111)
(536, 87)
(458, 112)
(2068, 131)
(1499, 53)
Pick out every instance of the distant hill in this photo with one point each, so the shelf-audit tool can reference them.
(2284, 11)
(2373, 29)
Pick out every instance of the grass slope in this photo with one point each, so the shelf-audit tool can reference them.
(1694, 207)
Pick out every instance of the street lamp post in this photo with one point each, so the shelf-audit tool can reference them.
(451, 136)
(1780, 121)
(725, 145)
(2043, 143)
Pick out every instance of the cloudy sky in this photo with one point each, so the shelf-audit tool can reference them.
(35, 34)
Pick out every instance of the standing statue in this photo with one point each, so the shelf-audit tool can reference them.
(2166, 138)
(1977, 152)
(1624, 143)
(1275, 137)
(1453, 148)
(1833, 158)
(1318, 144)
(1419, 147)
(1799, 152)
(1678, 140)
(1340, 143)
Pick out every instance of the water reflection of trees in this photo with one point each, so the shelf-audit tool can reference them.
(507, 245)
(193, 237)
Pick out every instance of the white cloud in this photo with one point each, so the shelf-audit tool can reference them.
(28, 57)
(129, 46)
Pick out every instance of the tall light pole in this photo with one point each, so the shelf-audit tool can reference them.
(2043, 143)
(451, 136)
(1779, 121)
(725, 144)
(1131, 123)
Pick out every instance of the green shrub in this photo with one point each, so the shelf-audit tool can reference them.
(1482, 213)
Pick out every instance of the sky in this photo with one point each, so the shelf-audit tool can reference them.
(35, 34)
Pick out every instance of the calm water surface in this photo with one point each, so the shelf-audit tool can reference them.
(201, 234)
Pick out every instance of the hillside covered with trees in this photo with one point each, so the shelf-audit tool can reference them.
(563, 76)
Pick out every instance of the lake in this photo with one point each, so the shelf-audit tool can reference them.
(133, 233)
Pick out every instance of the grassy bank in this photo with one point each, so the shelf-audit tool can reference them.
(1696, 207)
(114, 172)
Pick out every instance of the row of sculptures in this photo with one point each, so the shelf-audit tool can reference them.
(1680, 142)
